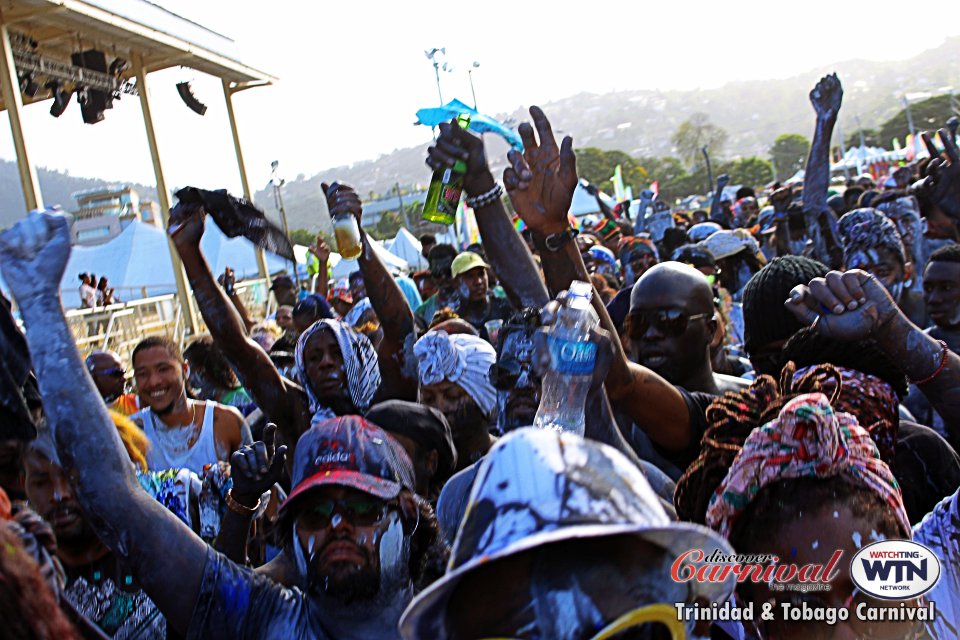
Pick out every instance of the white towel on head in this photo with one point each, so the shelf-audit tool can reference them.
(462, 359)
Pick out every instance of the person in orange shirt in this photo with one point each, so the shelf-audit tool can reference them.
(110, 377)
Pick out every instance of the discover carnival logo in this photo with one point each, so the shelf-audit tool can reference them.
(895, 569)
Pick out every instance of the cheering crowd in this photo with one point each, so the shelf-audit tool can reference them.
(775, 376)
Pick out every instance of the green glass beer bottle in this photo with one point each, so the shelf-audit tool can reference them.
(446, 188)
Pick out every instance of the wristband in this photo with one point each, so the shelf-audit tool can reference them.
(486, 198)
(945, 351)
(238, 508)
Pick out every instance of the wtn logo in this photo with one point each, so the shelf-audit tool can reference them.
(903, 569)
(895, 569)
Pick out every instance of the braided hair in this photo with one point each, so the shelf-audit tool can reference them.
(731, 418)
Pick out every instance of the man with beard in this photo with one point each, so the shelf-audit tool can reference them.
(184, 433)
(93, 573)
(351, 517)
(453, 371)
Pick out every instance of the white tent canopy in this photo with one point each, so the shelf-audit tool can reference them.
(584, 204)
(405, 245)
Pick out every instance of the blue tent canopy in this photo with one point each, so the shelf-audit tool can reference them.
(138, 259)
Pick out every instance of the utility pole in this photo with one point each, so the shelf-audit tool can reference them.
(403, 212)
(278, 200)
(470, 75)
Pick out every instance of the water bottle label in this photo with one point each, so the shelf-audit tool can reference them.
(572, 357)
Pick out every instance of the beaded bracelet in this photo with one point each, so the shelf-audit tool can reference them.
(487, 198)
(943, 365)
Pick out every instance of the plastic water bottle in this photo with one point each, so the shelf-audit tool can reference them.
(572, 358)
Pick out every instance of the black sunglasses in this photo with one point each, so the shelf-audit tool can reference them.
(669, 322)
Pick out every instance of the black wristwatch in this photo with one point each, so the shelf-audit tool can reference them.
(555, 241)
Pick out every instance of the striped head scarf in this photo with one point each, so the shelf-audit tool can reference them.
(807, 440)
(359, 360)
(459, 358)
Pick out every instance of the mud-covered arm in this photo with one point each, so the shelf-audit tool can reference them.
(860, 308)
(387, 300)
(540, 183)
(281, 401)
(505, 249)
(826, 98)
(137, 528)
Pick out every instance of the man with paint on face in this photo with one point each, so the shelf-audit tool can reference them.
(109, 375)
(184, 433)
(871, 242)
(478, 304)
(517, 383)
(454, 379)
(98, 583)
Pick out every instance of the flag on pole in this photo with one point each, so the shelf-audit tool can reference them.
(617, 179)
(655, 187)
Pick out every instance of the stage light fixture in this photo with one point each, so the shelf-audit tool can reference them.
(61, 98)
(186, 94)
(94, 101)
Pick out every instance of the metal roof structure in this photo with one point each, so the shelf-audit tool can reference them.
(40, 41)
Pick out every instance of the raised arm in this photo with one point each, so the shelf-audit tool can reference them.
(781, 199)
(33, 255)
(541, 184)
(941, 182)
(715, 212)
(862, 308)
(228, 281)
(507, 252)
(281, 400)
(321, 252)
(826, 99)
(388, 302)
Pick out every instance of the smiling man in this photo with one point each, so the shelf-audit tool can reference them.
(184, 433)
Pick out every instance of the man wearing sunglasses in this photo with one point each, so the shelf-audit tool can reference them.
(671, 325)
(108, 374)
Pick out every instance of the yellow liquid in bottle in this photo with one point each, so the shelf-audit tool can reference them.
(348, 238)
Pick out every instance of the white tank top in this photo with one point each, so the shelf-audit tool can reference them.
(164, 453)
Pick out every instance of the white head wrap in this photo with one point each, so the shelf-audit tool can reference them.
(459, 358)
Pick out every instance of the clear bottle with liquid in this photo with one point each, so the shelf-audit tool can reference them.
(346, 231)
(446, 188)
(572, 359)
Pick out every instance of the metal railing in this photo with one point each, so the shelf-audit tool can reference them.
(121, 326)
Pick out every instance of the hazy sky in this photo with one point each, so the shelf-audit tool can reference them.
(352, 74)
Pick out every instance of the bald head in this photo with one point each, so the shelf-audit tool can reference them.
(108, 373)
(671, 323)
(672, 284)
